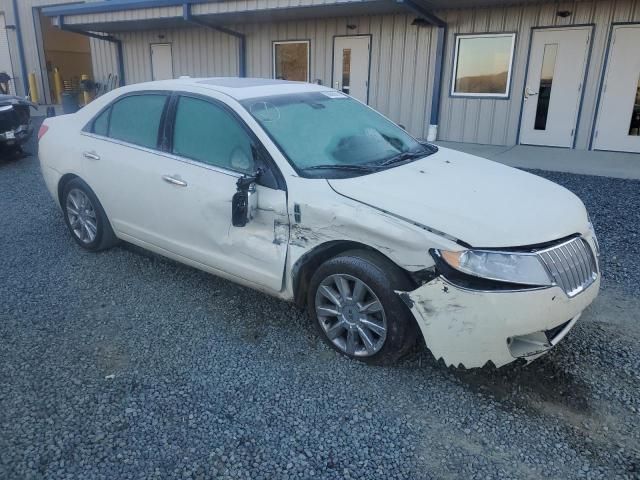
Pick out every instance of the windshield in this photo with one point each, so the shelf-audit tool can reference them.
(322, 133)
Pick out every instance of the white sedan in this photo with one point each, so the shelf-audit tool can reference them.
(306, 194)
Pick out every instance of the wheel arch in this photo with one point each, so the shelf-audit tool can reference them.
(307, 264)
(66, 178)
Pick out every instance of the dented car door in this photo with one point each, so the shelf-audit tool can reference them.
(212, 149)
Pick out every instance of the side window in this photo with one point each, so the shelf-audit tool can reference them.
(101, 123)
(209, 134)
(136, 119)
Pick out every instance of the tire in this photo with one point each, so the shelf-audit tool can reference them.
(85, 217)
(381, 279)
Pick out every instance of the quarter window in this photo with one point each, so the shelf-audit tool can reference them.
(482, 65)
(291, 60)
(101, 123)
(136, 119)
(209, 134)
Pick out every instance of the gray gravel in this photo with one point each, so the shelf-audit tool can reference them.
(126, 365)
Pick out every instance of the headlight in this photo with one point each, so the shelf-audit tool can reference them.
(519, 268)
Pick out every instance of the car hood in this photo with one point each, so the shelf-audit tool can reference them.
(483, 203)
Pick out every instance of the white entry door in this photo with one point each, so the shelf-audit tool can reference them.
(618, 126)
(161, 61)
(351, 65)
(553, 91)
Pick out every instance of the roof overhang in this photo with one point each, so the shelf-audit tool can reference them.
(115, 16)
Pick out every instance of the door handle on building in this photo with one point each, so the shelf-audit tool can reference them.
(528, 92)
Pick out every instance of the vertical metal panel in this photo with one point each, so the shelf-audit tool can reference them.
(496, 122)
(104, 59)
(400, 83)
(197, 52)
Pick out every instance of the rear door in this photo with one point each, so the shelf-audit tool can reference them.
(122, 163)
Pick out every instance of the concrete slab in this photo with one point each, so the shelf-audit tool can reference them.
(604, 164)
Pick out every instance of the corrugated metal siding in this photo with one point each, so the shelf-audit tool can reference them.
(246, 5)
(496, 122)
(125, 15)
(197, 52)
(104, 57)
(401, 58)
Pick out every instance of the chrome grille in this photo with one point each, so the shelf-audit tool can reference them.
(572, 265)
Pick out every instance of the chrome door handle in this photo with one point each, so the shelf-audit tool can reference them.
(174, 181)
(91, 155)
(528, 92)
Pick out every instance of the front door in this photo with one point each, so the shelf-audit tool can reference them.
(618, 126)
(161, 61)
(553, 90)
(351, 65)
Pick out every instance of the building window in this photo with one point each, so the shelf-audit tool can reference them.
(291, 60)
(482, 65)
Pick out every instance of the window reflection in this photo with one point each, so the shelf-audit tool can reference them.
(634, 128)
(346, 69)
(483, 64)
(291, 61)
(546, 83)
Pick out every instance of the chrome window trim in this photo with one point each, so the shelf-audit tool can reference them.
(172, 156)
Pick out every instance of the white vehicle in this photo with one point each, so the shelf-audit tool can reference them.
(302, 192)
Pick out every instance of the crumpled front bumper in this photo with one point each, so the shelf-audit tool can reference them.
(469, 328)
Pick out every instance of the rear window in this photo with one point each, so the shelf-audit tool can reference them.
(136, 119)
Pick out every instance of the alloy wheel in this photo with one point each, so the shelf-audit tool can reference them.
(82, 216)
(351, 315)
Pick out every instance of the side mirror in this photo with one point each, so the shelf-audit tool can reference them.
(245, 201)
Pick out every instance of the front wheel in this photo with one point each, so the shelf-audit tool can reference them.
(353, 301)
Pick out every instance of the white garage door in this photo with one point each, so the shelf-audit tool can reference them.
(5, 56)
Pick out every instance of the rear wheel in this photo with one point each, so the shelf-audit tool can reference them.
(353, 302)
(85, 217)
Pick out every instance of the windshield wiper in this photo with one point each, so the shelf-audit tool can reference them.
(401, 157)
(351, 168)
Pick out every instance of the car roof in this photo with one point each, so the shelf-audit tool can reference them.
(235, 87)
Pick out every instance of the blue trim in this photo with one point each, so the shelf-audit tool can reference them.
(112, 6)
(23, 65)
(438, 75)
(423, 12)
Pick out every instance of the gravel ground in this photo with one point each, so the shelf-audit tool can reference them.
(126, 365)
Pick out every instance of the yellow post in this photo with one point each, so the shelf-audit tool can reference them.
(33, 88)
(57, 85)
(86, 94)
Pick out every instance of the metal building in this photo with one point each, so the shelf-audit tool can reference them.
(500, 72)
